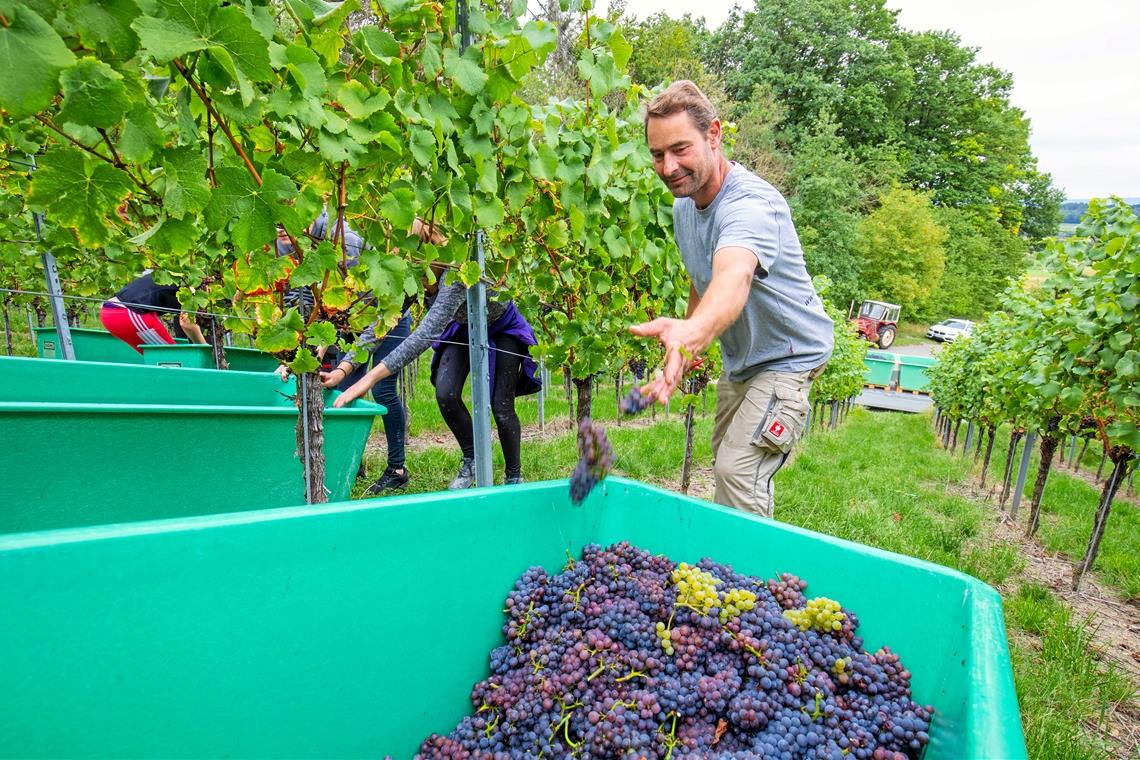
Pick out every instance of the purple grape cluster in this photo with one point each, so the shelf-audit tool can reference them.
(595, 460)
(583, 673)
(637, 366)
(634, 402)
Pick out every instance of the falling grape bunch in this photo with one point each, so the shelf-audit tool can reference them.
(595, 460)
(626, 654)
(634, 402)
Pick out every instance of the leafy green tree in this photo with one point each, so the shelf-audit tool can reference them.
(826, 201)
(841, 56)
(665, 49)
(982, 257)
(900, 247)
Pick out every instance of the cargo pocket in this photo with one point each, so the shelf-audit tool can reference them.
(783, 421)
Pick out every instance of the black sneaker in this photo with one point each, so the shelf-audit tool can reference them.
(513, 480)
(391, 480)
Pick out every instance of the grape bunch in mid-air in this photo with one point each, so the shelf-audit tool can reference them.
(635, 402)
(625, 654)
(595, 460)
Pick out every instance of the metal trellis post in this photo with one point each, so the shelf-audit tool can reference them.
(480, 372)
(58, 312)
(1019, 488)
(477, 327)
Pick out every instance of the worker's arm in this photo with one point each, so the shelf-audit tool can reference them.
(719, 307)
(190, 327)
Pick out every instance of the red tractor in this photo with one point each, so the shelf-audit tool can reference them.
(878, 322)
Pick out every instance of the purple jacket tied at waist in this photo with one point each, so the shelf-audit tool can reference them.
(511, 323)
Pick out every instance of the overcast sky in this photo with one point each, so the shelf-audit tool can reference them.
(1075, 74)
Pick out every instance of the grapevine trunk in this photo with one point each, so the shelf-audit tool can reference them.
(1120, 456)
(311, 426)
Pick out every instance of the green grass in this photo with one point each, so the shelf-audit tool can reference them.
(912, 334)
(1057, 680)
(1067, 510)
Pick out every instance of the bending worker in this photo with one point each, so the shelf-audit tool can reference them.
(749, 287)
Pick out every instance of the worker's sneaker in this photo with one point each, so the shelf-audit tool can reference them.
(391, 480)
(513, 480)
(466, 476)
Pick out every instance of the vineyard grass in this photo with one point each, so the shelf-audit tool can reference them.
(859, 483)
(1068, 507)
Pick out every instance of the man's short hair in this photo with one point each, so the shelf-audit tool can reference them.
(682, 95)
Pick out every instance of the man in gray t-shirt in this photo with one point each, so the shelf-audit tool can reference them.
(749, 287)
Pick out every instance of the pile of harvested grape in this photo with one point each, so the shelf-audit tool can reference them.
(627, 654)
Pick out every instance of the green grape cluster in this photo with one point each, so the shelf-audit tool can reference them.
(821, 613)
(695, 588)
(734, 602)
(665, 638)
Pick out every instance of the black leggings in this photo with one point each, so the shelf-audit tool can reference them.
(454, 367)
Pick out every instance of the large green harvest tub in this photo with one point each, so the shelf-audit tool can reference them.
(90, 443)
(912, 372)
(356, 629)
(880, 368)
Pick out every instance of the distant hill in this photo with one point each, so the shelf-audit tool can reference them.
(1073, 209)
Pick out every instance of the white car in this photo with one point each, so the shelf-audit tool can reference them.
(950, 330)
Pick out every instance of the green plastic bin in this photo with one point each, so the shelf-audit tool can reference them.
(880, 368)
(92, 443)
(912, 372)
(90, 345)
(201, 356)
(357, 629)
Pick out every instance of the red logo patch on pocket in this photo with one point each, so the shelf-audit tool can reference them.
(776, 429)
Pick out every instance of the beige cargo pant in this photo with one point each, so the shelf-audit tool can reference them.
(757, 424)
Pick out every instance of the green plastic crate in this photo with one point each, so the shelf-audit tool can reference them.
(96, 443)
(357, 629)
(201, 356)
(880, 368)
(90, 345)
(912, 372)
(187, 356)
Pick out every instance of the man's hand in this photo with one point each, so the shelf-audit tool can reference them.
(282, 372)
(683, 340)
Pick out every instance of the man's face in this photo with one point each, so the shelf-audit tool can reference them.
(683, 156)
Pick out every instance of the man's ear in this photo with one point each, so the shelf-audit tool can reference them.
(714, 134)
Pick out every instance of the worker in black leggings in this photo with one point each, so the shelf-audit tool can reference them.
(444, 328)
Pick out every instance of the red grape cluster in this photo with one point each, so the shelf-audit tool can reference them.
(635, 402)
(595, 460)
(582, 672)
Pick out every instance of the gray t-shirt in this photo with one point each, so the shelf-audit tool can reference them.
(783, 326)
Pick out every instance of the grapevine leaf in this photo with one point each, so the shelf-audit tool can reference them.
(490, 212)
(282, 335)
(312, 268)
(469, 273)
(253, 211)
(140, 136)
(465, 72)
(321, 334)
(186, 189)
(78, 193)
(32, 54)
(397, 205)
(93, 94)
(167, 39)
